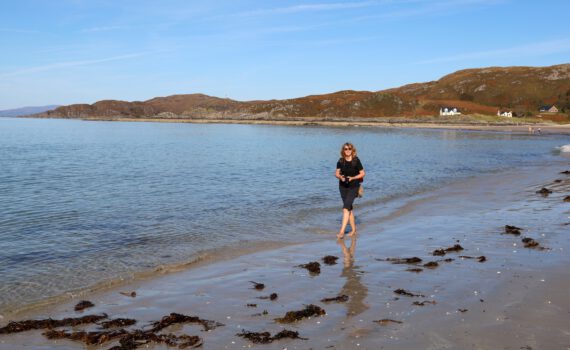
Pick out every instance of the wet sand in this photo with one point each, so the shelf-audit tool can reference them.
(516, 299)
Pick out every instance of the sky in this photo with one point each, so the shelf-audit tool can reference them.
(82, 51)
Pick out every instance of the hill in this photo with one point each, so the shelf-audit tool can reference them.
(483, 90)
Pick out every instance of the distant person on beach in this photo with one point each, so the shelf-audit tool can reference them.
(349, 172)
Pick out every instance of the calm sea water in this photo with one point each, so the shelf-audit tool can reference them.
(83, 202)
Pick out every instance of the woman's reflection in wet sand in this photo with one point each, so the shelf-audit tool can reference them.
(353, 287)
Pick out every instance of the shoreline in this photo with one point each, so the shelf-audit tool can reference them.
(522, 127)
(506, 282)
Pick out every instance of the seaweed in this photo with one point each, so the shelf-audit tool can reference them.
(88, 338)
(22, 326)
(431, 265)
(387, 321)
(314, 267)
(443, 251)
(271, 297)
(174, 318)
(339, 299)
(330, 259)
(529, 242)
(118, 322)
(416, 270)
(406, 293)
(82, 305)
(567, 199)
(308, 311)
(129, 294)
(412, 261)
(251, 305)
(544, 192)
(423, 303)
(266, 338)
(139, 338)
(462, 310)
(257, 286)
(512, 230)
(567, 172)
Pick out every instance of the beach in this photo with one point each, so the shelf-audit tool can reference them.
(511, 127)
(515, 298)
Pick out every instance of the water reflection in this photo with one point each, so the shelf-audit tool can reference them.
(353, 287)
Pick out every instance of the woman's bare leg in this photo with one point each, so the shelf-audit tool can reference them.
(352, 224)
(345, 218)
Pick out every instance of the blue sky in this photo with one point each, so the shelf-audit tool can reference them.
(82, 51)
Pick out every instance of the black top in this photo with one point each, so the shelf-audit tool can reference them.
(349, 169)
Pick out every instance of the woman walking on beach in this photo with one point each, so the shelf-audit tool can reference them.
(349, 172)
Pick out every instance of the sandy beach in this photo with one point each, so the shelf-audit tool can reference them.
(514, 127)
(514, 298)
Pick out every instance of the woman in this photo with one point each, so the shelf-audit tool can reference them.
(349, 172)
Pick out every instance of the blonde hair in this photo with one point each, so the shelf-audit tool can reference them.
(349, 145)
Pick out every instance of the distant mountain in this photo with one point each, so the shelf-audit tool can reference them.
(482, 90)
(26, 111)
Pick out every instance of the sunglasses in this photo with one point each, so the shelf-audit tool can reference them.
(348, 149)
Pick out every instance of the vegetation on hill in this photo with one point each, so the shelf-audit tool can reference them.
(474, 91)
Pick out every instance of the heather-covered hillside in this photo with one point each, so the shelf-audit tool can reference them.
(522, 89)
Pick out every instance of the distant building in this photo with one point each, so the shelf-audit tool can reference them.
(449, 111)
(508, 114)
(548, 109)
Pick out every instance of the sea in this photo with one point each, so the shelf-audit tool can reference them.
(85, 204)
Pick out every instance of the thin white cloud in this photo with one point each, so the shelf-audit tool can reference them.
(101, 29)
(307, 8)
(61, 65)
(534, 49)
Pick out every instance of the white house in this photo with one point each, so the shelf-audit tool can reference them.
(508, 114)
(548, 109)
(449, 111)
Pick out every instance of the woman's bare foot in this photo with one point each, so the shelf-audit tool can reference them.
(340, 235)
(352, 233)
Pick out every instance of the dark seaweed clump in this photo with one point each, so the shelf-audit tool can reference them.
(88, 338)
(308, 311)
(266, 338)
(406, 293)
(412, 260)
(544, 192)
(443, 251)
(22, 326)
(431, 265)
(174, 318)
(416, 270)
(314, 267)
(512, 230)
(140, 338)
(567, 172)
(119, 322)
(423, 303)
(340, 299)
(567, 199)
(82, 305)
(257, 286)
(271, 297)
(529, 242)
(330, 259)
